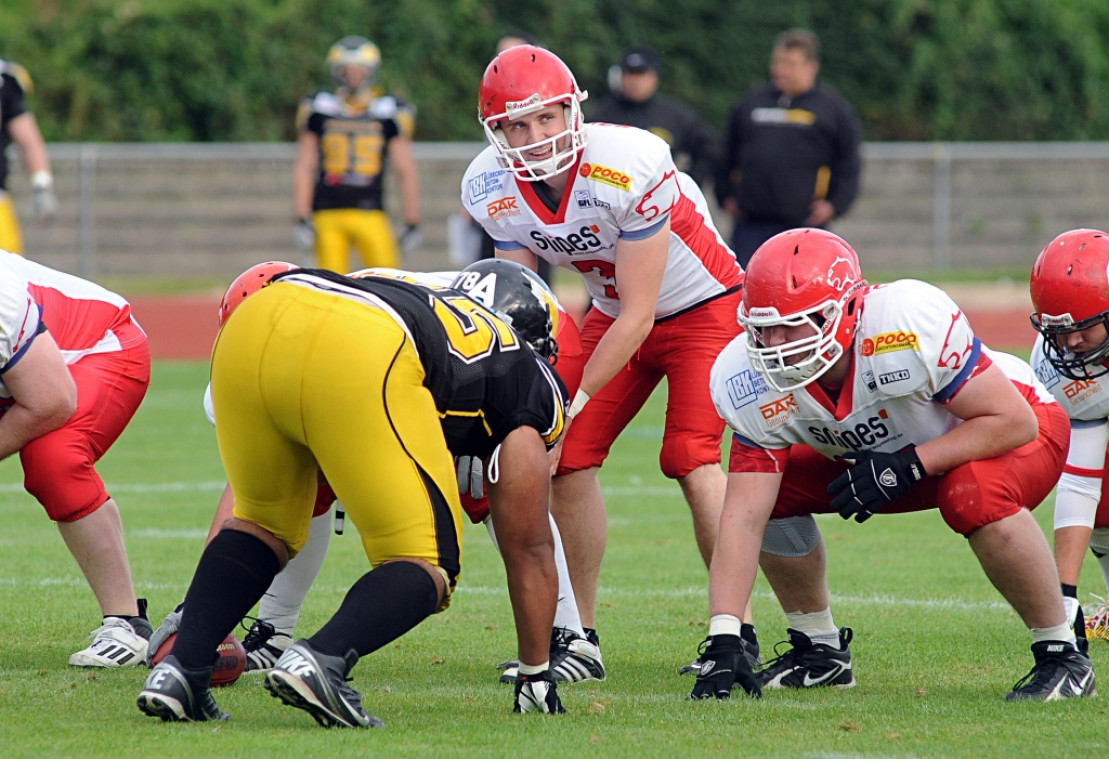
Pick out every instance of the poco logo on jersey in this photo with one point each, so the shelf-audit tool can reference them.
(862, 435)
(605, 175)
(888, 342)
(745, 387)
(584, 240)
(499, 209)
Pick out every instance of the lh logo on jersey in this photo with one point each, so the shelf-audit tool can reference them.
(744, 388)
(499, 209)
(1047, 374)
(481, 186)
(888, 342)
(605, 175)
(779, 410)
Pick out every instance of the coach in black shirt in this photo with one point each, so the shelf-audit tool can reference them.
(791, 150)
(635, 101)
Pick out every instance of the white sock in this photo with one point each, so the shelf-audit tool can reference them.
(1071, 606)
(1063, 632)
(818, 626)
(566, 613)
(280, 606)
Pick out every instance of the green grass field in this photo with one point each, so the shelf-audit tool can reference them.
(936, 649)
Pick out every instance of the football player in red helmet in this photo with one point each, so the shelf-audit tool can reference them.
(522, 80)
(1070, 300)
(608, 203)
(799, 310)
(854, 399)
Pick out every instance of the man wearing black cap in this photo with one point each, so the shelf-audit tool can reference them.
(635, 101)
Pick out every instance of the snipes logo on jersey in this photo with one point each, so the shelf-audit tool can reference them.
(888, 342)
(606, 175)
(499, 209)
(779, 411)
(585, 239)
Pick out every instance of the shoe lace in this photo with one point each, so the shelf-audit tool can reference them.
(258, 634)
(561, 638)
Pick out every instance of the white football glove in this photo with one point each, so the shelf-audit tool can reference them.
(470, 476)
(537, 693)
(44, 203)
(168, 627)
(410, 238)
(305, 235)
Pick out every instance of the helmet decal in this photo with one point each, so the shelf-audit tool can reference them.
(1069, 286)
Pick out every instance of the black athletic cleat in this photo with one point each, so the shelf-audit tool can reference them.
(179, 695)
(810, 665)
(747, 640)
(317, 683)
(1060, 671)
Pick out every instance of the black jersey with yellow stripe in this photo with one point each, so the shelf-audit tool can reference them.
(353, 147)
(14, 81)
(486, 381)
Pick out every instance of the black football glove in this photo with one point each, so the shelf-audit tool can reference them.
(723, 665)
(873, 480)
(537, 693)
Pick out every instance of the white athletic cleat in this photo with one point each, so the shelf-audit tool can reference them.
(115, 644)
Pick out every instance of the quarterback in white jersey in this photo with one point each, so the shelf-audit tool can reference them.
(607, 202)
(75, 368)
(1070, 296)
(856, 399)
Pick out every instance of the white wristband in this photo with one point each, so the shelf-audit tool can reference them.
(42, 180)
(534, 669)
(723, 624)
(580, 400)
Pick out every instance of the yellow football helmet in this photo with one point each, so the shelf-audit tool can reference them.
(354, 51)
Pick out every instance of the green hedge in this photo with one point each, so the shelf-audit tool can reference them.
(233, 70)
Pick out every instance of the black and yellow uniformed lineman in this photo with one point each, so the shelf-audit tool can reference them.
(18, 127)
(345, 142)
(378, 383)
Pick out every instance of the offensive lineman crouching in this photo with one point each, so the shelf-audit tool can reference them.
(960, 428)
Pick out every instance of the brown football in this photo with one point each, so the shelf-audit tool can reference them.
(230, 664)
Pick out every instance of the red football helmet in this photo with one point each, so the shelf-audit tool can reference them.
(249, 282)
(800, 277)
(1070, 293)
(522, 80)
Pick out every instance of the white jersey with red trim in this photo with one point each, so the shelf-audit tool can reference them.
(19, 321)
(1083, 400)
(624, 185)
(913, 350)
(83, 317)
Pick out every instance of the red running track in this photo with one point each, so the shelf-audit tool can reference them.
(183, 327)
